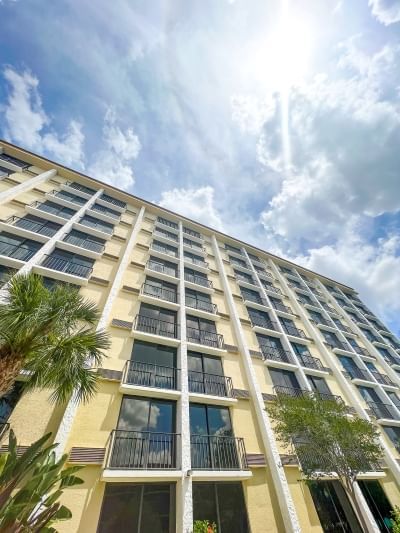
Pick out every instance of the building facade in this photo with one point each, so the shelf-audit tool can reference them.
(205, 330)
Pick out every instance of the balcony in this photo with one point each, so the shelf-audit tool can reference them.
(65, 198)
(200, 305)
(59, 215)
(212, 340)
(263, 323)
(110, 200)
(98, 228)
(283, 308)
(344, 328)
(109, 215)
(362, 351)
(276, 355)
(16, 252)
(165, 271)
(358, 374)
(155, 327)
(192, 245)
(168, 223)
(68, 267)
(142, 450)
(148, 379)
(308, 361)
(200, 263)
(271, 288)
(211, 384)
(255, 301)
(292, 392)
(193, 233)
(160, 249)
(44, 228)
(383, 379)
(167, 235)
(337, 345)
(293, 331)
(86, 192)
(198, 280)
(214, 452)
(161, 293)
(383, 411)
(85, 242)
(246, 280)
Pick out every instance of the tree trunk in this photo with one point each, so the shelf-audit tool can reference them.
(356, 507)
(10, 367)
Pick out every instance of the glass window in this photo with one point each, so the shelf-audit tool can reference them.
(156, 354)
(394, 435)
(378, 503)
(318, 384)
(201, 324)
(9, 401)
(140, 414)
(284, 378)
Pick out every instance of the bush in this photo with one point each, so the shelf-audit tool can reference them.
(204, 526)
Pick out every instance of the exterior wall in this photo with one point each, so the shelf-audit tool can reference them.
(276, 498)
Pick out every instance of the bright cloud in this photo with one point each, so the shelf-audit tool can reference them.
(386, 11)
(27, 123)
(197, 204)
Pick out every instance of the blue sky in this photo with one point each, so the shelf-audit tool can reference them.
(275, 121)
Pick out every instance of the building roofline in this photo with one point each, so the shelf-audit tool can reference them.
(138, 199)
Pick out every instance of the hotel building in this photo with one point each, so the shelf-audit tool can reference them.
(205, 330)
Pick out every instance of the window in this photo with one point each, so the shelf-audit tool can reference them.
(290, 328)
(18, 247)
(222, 503)
(242, 276)
(193, 258)
(254, 257)
(191, 232)
(156, 320)
(319, 385)
(378, 503)
(95, 223)
(78, 238)
(395, 399)
(38, 225)
(272, 349)
(159, 288)
(237, 261)
(369, 395)
(56, 209)
(192, 244)
(152, 365)
(284, 379)
(106, 211)
(5, 274)
(260, 318)
(70, 197)
(161, 265)
(167, 234)
(199, 300)
(138, 508)
(233, 249)
(8, 402)
(82, 188)
(394, 435)
(167, 222)
(199, 278)
(249, 295)
(202, 331)
(164, 248)
(331, 339)
(111, 200)
(206, 375)
(4, 172)
(70, 263)
(14, 160)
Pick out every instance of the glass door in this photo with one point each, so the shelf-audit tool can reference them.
(206, 375)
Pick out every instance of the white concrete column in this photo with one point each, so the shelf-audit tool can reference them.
(65, 426)
(332, 361)
(299, 372)
(285, 500)
(12, 192)
(184, 503)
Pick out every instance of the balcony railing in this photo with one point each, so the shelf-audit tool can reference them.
(166, 234)
(195, 261)
(106, 211)
(69, 267)
(164, 249)
(159, 292)
(383, 379)
(261, 322)
(255, 299)
(160, 267)
(358, 373)
(213, 384)
(336, 344)
(212, 452)
(17, 251)
(114, 201)
(323, 321)
(43, 228)
(192, 232)
(292, 330)
(201, 305)
(271, 353)
(154, 326)
(142, 450)
(168, 223)
(198, 280)
(383, 410)
(86, 243)
(293, 392)
(99, 226)
(80, 187)
(305, 301)
(309, 361)
(342, 327)
(361, 351)
(193, 245)
(206, 338)
(281, 307)
(271, 288)
(68, 197)
(150, 375)
(54, 211)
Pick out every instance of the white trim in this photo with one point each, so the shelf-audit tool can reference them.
(12, 192)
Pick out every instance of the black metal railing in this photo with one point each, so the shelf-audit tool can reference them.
(166, 234)
(86, 243)
(392, 360)
(201, 305)
(383, 379)
(193, 245)
(43, 228)
(59, 212)
(80, 187)
(142, 450)
(271, 353)
(156, 291)
(160, 267)
(361, 351)
(238, 263)
(260, 322)
(96, 225)
(281, 307)
(192, 232)
(195, 261)
(150, 375)
(164, 249)
(154, 326)
(242, 277)
(305, 301)
(69, 197)
(206, 338)
(342, 327)
(358, 373)
(322, 321)
(292, 330)
(255, 299)
(198, 280)
(113, 201)
(336, 344)
(271, 288)
(214, 452)
(168, 223)
(16, 251)
(293, 392)
(309, 361)
(106, 211)
(383, 410)
(213, 384)
(69, 267)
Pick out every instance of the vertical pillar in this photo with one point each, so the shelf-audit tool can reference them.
(12, 192)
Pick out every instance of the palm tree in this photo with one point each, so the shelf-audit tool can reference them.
(51, 335)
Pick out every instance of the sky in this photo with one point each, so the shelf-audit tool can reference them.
(276, 121)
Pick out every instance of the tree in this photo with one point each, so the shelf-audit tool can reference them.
(30, 487)
(327, 440)
(51, 335)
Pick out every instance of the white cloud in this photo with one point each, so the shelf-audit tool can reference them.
(27, 123)
(197, 204)
(113, 163)
(386, 11)
(251, 113)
